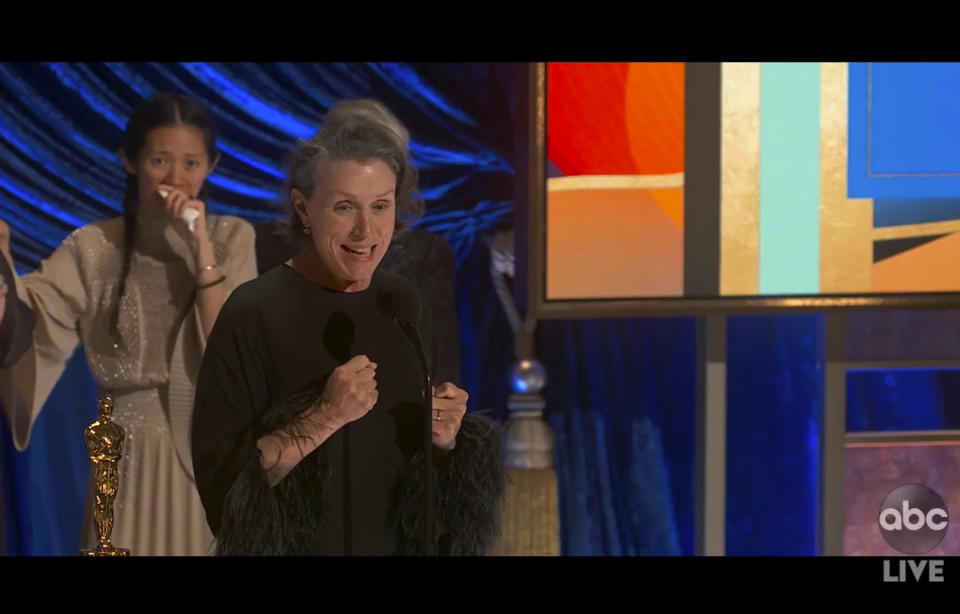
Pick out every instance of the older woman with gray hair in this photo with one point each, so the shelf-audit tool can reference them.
(308, 427)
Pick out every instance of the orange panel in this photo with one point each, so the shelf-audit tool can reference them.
(654, 116)
(931, 267)
(616, 118)
(611, 243)
(671, 201)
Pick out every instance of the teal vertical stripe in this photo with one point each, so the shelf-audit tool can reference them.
(790, 178)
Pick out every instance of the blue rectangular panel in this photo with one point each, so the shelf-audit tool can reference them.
(904, 130)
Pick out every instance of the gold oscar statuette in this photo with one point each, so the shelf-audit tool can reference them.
(105, 446)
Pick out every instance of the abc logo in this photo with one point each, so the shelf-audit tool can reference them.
(913, 519)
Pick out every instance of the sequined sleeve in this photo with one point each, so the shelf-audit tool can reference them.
(57, 295)
(240, 261)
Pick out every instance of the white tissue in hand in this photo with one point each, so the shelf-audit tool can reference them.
(190, 216)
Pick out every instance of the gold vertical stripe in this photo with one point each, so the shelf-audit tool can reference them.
(846, 245)
(740, 178)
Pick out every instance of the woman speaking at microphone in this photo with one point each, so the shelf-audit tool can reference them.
(308, 428)
(141, 293)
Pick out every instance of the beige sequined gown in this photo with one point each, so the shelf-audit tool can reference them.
(151, 368)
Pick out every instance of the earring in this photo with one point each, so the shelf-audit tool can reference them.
(306, 230)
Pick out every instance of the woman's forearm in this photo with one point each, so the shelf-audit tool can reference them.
(283, 449)
(211, 290)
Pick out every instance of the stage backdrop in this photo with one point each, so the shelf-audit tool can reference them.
(835, 179)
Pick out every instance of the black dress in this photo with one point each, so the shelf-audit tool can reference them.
(275, 342)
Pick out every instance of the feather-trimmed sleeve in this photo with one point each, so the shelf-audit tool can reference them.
(469, 484)
(233, 409)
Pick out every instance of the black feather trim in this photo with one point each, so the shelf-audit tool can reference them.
(290, 518)
(469, 485)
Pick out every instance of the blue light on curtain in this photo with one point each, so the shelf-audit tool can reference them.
(62, 126)
(621, 402)
(774, 420)
(903, 400)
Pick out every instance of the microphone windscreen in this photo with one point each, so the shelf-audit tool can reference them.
(400, 299)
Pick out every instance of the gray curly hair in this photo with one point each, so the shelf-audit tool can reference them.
(359, 130)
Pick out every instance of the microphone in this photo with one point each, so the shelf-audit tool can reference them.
(189, 215)
(400, 299)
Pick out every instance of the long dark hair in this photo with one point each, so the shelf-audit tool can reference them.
(160, 110)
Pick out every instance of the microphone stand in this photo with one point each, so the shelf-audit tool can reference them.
(414, 337)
